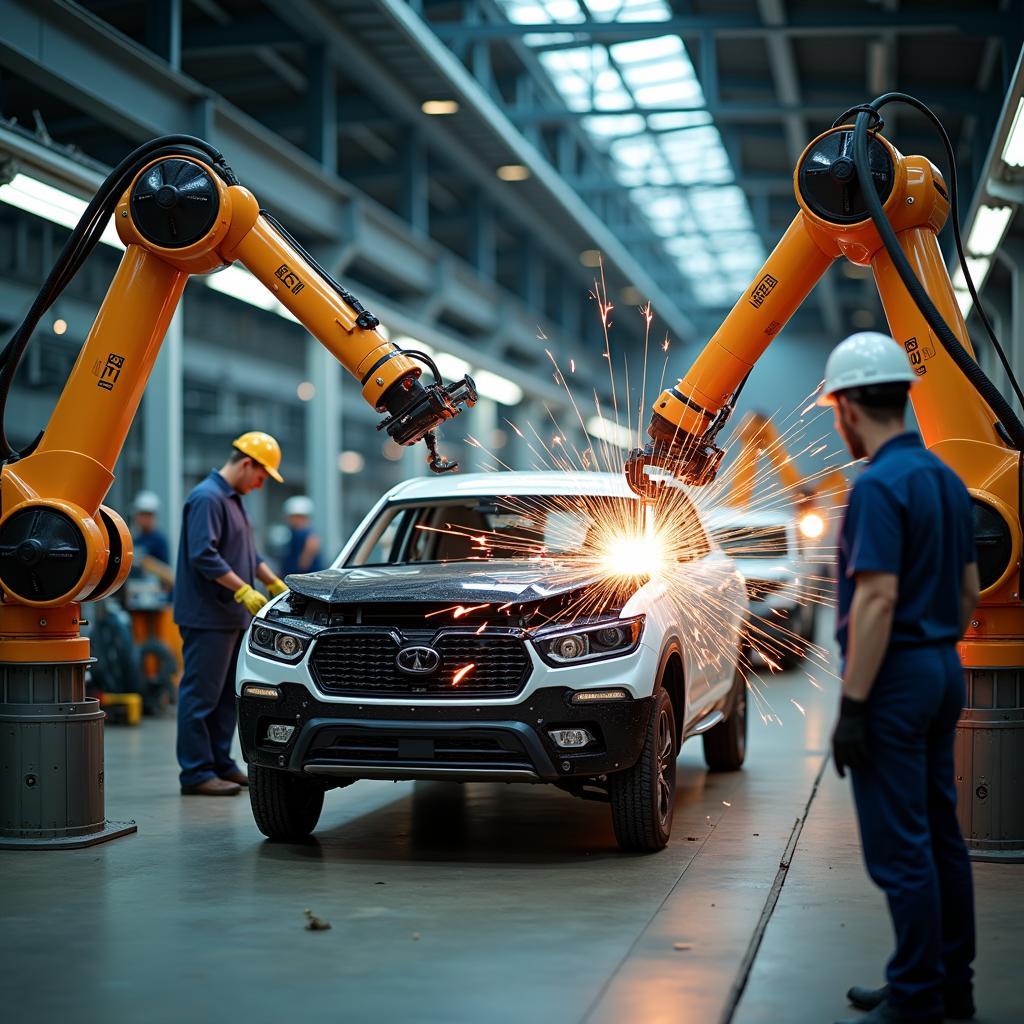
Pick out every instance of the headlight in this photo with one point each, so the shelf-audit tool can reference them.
(609, 639)
(276, 644)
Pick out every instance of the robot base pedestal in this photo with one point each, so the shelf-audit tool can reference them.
(51, 760)
(990, 764)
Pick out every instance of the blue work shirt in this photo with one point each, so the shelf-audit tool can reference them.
(908, 514)
(216, 538)
(290, 557)
(153, 544)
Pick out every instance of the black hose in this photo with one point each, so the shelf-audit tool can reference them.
(971, 370)
(83, 240)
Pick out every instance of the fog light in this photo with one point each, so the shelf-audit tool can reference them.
(594, 696)
(263, 692)
(279, 733)
(570, 739)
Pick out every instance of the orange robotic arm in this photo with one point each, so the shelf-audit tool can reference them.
(182, 212)
(956, 421)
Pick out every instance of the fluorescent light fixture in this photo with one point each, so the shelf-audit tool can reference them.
(611, 432)
(978, 267)
(52, 204)
(440, 107)
(963, 300)
(989, 227)
(513, 172)
(498, 388)
(351, 461)
(237, 283)
(1013, 149)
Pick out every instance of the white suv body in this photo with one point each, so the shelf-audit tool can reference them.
(425, 653)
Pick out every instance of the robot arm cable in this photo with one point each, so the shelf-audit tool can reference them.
(1008, 419)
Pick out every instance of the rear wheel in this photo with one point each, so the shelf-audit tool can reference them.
(725, 746)
(285, 806)
(643, 797)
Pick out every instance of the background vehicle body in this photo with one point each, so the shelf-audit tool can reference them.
(594, 696)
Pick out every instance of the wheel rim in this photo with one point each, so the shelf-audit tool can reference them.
(666, 767)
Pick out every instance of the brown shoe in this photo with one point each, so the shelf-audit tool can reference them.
(212, 787)
(238, 777)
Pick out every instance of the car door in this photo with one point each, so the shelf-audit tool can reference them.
(710, 615)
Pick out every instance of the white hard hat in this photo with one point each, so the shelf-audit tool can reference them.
(299, 505)
(146, 501)
(862, 359)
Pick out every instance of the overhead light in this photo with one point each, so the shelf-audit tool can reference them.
(52, 204)
(351, 462)
(963, 300)
(306, 390)
(513, 172)
(631, 296)
(977, 267)
(498, 388)
(610, 431)
(440, 107)
(1013, 149)
(591, 257)
(60, 326)
(237, 283)
(989, 227)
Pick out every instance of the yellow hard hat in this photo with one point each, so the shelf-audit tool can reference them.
(261, 448)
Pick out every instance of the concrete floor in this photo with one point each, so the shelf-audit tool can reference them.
(483, 903)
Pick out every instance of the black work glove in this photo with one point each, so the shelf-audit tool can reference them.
(850, 738)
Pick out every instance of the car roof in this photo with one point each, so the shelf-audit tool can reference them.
(725, 516)
(511, 482)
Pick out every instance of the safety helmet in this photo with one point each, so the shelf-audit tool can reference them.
(863, 359)
(146, 501)
(261, 448)
(299, 505)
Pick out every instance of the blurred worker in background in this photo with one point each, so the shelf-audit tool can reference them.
(152, 557)
(908, 585)
(214, 602)
(302, 553)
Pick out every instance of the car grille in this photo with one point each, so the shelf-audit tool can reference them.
(360, 664)
(479, 749)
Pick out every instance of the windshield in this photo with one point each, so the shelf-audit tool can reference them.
(514, 527)
(754, 541)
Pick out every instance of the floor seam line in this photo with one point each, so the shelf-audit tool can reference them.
(647, 924)
(747, 963)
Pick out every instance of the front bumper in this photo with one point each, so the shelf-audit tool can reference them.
(507, 742)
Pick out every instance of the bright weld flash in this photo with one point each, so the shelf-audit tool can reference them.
(635, 554)
(811, 525)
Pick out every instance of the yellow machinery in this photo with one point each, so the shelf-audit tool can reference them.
(861, 198)
(180, 210)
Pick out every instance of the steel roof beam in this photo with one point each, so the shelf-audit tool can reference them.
(829, 22)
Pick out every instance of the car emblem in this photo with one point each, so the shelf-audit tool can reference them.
(418, 661)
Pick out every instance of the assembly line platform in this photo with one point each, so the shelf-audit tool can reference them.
(480, 903)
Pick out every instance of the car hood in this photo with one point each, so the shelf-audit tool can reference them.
(466, 583)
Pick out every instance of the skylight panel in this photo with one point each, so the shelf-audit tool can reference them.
(643, 50)
(678, 92)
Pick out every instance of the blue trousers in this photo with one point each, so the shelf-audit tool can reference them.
(206, 703)
(906, 806)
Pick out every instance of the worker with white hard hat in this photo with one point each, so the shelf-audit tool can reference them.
(214, 602)
(151, 549)
(302, 552)
(908, 584)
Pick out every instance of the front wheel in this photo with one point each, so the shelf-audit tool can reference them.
(643, 797)
(725, 746)
(285, 806)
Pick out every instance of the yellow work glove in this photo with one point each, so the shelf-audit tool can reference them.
(276, 586)
(252, 599)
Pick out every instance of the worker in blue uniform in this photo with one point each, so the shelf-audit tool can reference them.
(302, 553)
(214, 602)
(908, 585)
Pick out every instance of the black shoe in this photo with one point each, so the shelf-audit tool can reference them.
(867, 998)
(959, 1003)
(883, 1013)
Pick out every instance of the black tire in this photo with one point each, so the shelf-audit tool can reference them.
(643, 797)
(285, 806)
(725, 746)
